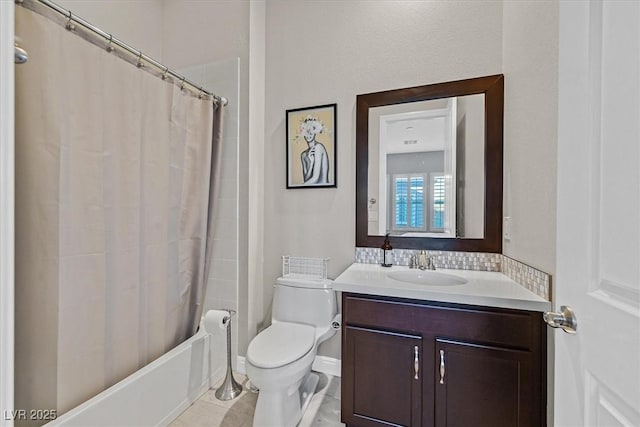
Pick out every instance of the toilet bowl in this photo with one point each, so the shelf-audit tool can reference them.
(279, 358)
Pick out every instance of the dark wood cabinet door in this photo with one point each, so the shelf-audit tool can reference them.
(484, 386)
(494, 370)
(381, 378)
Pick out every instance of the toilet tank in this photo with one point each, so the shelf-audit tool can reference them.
(310, 302)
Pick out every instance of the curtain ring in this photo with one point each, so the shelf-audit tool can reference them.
(139, 64)
(165, 76)
(70, 25)
(109, 47)
(182, 83)
(201, 93)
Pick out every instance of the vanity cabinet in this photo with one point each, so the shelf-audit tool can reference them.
(482, 385)
(419, 363)
(388, 367)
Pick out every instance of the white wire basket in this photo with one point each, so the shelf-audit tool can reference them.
(304, 268)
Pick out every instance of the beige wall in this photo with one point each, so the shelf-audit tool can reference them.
(199, 32)
(325, 52)
(319, 52)
(139, 24)
(530, 66)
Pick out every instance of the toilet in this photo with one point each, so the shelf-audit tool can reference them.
(279, 358)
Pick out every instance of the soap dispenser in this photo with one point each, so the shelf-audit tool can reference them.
(386, 252)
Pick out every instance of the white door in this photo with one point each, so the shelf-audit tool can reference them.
(597, 370)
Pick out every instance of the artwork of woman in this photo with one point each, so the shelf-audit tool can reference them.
(315, 161)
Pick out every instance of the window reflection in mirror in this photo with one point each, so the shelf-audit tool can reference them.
(426, 168)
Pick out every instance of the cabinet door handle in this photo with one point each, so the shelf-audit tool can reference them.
(441, 366)
(416, 362)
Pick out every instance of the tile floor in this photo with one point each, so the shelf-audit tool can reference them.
(323, 410)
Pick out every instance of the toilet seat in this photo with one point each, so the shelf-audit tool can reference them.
(280, 344)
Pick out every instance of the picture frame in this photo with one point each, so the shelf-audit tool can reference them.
(311, 147)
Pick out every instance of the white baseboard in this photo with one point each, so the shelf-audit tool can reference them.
(324, 364)
(327, 365)
(240, 365)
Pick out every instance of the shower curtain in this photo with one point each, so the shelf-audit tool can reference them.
(115, 189)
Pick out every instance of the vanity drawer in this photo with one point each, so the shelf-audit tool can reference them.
(492, 326)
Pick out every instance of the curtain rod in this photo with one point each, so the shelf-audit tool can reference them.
(141, 57)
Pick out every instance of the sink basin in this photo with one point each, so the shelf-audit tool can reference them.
(427, 277)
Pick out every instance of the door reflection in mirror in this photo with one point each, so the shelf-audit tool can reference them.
(426, 168)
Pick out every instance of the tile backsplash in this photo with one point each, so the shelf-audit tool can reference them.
(530, 278)
(442, 259)
(534, 280)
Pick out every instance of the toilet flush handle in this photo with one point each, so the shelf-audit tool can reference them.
(336, 323)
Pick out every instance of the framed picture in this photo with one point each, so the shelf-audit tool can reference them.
(311, 147)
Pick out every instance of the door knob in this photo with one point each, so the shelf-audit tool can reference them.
(565, 319)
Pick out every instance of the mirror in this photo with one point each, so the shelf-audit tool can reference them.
(429, 166)
(426, 168)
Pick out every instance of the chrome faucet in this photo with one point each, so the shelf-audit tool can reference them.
(425, 262)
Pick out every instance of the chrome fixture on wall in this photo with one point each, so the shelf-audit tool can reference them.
(20, 56)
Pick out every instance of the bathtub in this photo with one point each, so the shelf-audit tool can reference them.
(156, 394)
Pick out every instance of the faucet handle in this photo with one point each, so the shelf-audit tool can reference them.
(422, 260)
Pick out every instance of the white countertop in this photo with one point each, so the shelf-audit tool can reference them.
(483, 288)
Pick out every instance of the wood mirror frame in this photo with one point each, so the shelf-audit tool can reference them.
(493, 89)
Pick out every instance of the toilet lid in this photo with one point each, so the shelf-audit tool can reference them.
(280, 344)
